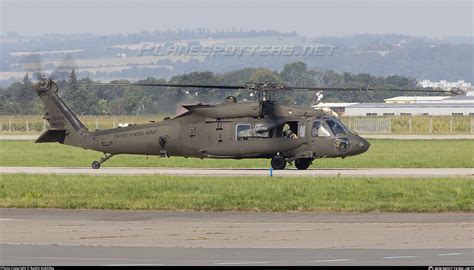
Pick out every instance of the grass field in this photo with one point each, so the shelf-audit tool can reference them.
(238, 193)
(382, 154)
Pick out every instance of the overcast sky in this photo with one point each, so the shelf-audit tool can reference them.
(433, 18)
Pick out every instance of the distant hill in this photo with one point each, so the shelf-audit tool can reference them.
(134, 56)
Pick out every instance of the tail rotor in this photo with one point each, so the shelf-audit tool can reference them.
(34, 63)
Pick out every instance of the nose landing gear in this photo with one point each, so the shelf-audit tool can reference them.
(96, 164)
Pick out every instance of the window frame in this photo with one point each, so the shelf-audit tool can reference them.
(337, 126)
(237, 131)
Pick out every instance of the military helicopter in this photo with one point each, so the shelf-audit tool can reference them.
(263, 128)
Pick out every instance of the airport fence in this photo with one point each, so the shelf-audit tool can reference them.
(34, 124)
(411, 124)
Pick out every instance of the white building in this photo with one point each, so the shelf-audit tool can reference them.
(391, 109)
(443, 84)
(416, 99)
(407, 105)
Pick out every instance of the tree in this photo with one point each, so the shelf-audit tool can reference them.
(83, 101)
(71, 86)
(73, 80)
(297, 74)
(19, 98)
(24, 94)
(265, 75)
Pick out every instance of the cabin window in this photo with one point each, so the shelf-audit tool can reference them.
(243, 132)
(318, 130)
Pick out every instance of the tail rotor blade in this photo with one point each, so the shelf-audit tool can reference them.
(64, 68)
(33, 63)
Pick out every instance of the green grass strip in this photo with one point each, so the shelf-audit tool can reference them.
(322, 194)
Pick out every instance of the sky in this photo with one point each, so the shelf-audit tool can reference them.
(429, 18)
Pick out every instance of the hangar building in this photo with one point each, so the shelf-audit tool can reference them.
(407, 105)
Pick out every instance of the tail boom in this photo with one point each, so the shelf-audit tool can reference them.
(65, 126)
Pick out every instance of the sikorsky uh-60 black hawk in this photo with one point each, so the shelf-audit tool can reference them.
(232, 129)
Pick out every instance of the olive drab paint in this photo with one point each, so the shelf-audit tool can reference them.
(261, 129)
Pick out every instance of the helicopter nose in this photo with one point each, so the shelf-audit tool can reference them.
(361, 146)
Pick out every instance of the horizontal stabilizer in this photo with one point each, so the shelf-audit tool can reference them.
(196, 106)
(52, 135)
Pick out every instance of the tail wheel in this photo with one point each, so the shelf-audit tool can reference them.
(303, 163)
(278, 163)
(95, 165)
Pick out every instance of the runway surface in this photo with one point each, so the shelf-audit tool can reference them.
(104, 237)
(129, 256)
(388, 172)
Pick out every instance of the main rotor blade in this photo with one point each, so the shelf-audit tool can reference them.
(372, 89)
(273, 87)
(169, 85)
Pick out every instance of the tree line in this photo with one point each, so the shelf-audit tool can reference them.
(19, 98)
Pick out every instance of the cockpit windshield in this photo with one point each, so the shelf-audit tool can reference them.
(347, 129)
(321, 129)
(336, 127)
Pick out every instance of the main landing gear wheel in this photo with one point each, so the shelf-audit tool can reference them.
(303, 163)
(96, 165)
(278, 163)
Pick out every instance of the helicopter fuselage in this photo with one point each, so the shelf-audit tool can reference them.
(262, 129)
(223, 131)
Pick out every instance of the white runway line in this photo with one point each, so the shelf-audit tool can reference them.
(240, 263)
(335, 260)
(399, 257)
(450, 254)
(138, 264)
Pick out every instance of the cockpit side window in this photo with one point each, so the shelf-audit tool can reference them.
(318, 130)
(335, 127)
